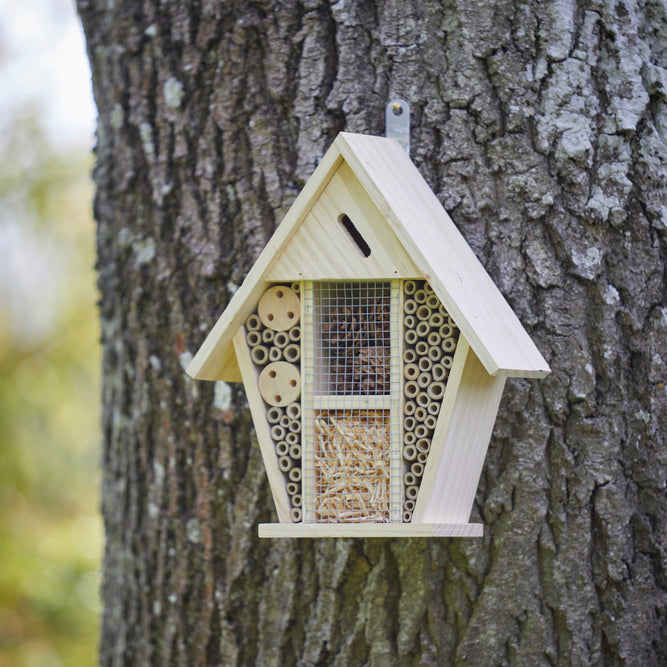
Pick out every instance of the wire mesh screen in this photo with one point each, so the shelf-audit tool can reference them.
(352, 389)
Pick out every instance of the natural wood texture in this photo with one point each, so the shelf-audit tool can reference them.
(467, 418)
(370, 530)
(321, 248)
(280, 383)
(278, 308)
(250, 377)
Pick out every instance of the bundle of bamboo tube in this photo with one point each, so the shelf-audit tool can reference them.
(274, 338)
(357, 341)
(430, 337)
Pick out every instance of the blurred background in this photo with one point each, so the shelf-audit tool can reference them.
(50, 529)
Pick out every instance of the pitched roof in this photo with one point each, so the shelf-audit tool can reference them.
(428, 237)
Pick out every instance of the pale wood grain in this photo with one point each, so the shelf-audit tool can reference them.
(249, 375)
(370, 530)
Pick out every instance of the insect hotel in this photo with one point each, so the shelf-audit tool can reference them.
(373, 348)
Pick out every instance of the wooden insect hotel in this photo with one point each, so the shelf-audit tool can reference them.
(373, 347)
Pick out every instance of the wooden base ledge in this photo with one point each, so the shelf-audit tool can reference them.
(371, 529)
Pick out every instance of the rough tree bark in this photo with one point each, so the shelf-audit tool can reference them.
(541, 127)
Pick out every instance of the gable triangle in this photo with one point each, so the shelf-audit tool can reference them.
(323, 247)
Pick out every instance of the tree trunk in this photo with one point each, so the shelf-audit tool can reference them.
(541, 127)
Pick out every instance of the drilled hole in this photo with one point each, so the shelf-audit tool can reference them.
(272, 374)
(278, 398)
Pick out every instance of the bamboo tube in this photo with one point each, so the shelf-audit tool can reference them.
(409, 439)
(409, 356)
(277, 433)
(296, 500)
(436, 390)
(409, 505)
(274, 414)
(433, 408)
(407, 516)
(422, 329)
(420, 296)
(292, 353)
(424, 364)
(423, 313)
(267, 335)
(448, 345)
(442, 310)
(447, 362)
(409, 423)
(293, 410)
(295, 452)
(421, 431)
(445, 331)
(433, 339)
(295, 287)
(282, 448)
(284, 421)
(410, 336)
(295, 514)
(253, 338)
(411, 389)
(285, 463)
(275, 354)
(409, 306)
(420, 414)
(253, 323)
(435, 354)
(295, 474)
(410, 371)
(422, 457)
(424, 380)
(281, 339)
(430, 422)
(421, 348)
(427, 288)
(409, 321)
(295, 426)
(439, 372)
(417, 469)
(295, 334)
(292, 488)
(259, 355)
(409, 408)
(436, 320)
(432, 301)
(409, 479)
(423, 445)
(411, 492)
(409, 287)
(292, 439)
(410, 453)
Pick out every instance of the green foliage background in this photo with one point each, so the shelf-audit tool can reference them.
(50, 530)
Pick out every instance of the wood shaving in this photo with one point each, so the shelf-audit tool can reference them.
(352, 467)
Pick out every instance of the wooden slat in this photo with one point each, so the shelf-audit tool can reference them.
(454, 475)
(442, 255)
(258, 411)
(396, 412)
(370, 530)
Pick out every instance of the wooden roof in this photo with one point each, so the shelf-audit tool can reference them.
(418, 228)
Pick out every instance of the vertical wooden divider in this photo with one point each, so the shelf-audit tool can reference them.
(396, 396)
(250, 377)
(307, 414)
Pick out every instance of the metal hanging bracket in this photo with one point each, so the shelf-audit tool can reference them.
(397, 122)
